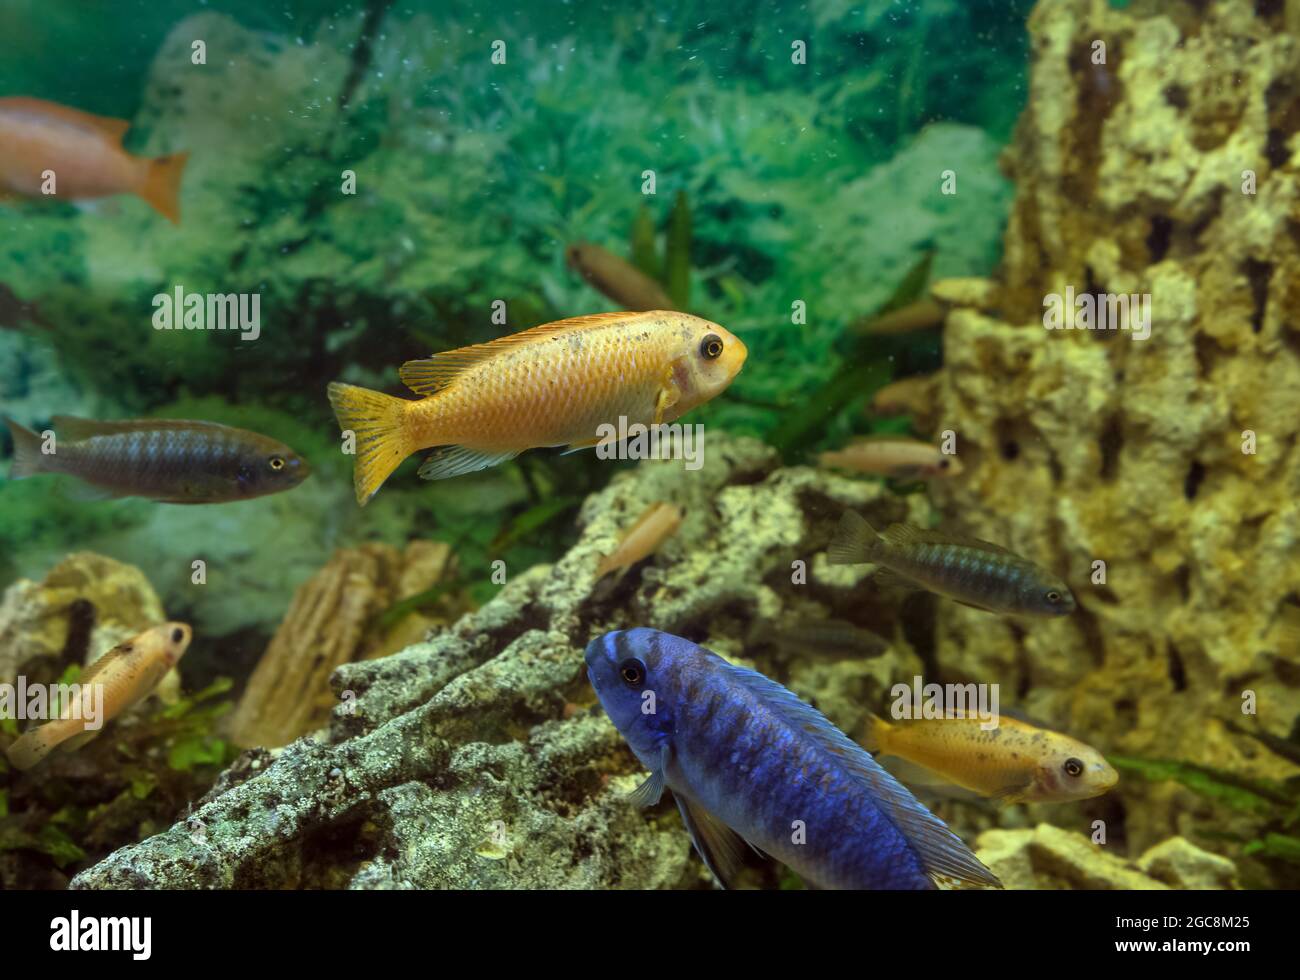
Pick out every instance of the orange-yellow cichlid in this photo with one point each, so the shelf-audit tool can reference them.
(85, 154)
(553, 385)
(128, 673)
(1013, 762)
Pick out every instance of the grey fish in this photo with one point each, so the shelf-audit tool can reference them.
(170, 460)
(824, 637)
(970, 571)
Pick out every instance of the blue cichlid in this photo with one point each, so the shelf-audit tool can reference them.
(748, 761)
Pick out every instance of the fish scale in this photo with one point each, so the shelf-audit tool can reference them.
(173, 460)
(553, 385)
(748, 761)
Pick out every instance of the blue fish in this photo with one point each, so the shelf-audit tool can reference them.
(747, 761)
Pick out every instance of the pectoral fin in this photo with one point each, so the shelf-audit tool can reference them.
(669, 394)
(718, 845)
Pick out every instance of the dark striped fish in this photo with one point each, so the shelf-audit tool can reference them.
(175, 461)
(973, 572)
(822, 637)
(746, 760)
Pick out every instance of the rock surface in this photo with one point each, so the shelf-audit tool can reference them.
(479, 757)
(1082, 446)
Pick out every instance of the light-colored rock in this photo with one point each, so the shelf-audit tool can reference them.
(1181, 864)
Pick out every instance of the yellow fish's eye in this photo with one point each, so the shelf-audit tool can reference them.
(277, 463)
(632, 671)
(711, 347)
(1073, 768)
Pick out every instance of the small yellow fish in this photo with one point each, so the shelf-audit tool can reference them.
(617, 278)
(1013, 763)
(553, 385)
(128, 674)
(902, 459)
(656, 525)
(84, 153)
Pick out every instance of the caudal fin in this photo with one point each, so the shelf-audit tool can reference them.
(855, 541)
(35, 745)
(377, 420)
(875, 729)
(28, 459)
(162, 185)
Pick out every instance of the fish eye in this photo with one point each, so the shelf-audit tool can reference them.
(1073, 768)
(1053, 596)
(711, 347)
(632, 671)
(277, 462)
(178, 634)
(944, 464)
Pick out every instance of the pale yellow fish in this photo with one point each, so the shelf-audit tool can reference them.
(1014, 762)
(128, 674)
(903, 459)
(923, 314)
(553, 385)
(656, 525)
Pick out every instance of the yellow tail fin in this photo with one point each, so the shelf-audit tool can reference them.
(378, 421)
(162, 185)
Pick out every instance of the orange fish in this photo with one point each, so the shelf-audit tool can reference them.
(656, 525)
(84, 152)
(902, 459)
(127, 674)
(553, 385)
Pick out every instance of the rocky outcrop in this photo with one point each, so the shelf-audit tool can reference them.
(333, 620)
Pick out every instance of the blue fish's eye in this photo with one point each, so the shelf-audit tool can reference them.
(276, 462)
(1053, 596)
(632, 671)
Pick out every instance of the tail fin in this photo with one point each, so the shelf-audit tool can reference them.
(855, 541)
(36, 744)
(28, 459)
(378, 421)
(162, 185)
(876, 729)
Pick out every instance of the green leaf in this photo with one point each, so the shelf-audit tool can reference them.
(644, 255)
(198, 750)
(677, 260)
(1251, 796)
(58, 845)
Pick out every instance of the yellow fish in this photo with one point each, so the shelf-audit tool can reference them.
(84, 153)
(553, 385)
(127, 674)
(1013, 763)
(657, 524)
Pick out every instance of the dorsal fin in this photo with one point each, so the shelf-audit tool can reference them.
(904, 534)
(73, 427)
(427, 376)
(114, 129)
(119, 652)
(942, 852)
